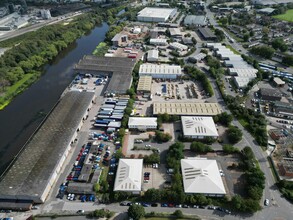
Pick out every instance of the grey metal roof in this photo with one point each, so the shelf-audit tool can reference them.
(119, 67)
(80, 188)
(31, 172)
(207, 33)
(195, 20)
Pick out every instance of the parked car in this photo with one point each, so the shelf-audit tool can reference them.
(267, 202)
(154, 205)
(164, 205)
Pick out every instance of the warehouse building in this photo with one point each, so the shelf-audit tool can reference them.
(35, 171)
(195, 20)
(160, 71)
(178, 46)
(282, 109)
(270, 94)
(241, 82)
(175, 33)
(158, 41)
(119, 69)
(156, 14)
(119, 40)
(207, 34)
(129, 176)
(198, 127)
(144, 85)
(241, 64)
(183, 108)
(202, 176)
(242, 72)
(142, 123)
(153, 56)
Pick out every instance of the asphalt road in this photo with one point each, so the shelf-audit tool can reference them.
(35, 27)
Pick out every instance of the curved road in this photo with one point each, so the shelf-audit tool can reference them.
(279, 207)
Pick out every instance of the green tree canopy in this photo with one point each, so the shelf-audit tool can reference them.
(234, 134)
(136, 212)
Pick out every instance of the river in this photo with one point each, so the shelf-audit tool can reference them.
(23, 115)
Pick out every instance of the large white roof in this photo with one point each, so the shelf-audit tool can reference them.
(156, 12)
(140, 121)
(201, 176)
(199, 126)
(159, 69)
(129, 175)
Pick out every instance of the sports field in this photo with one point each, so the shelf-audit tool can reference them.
(288, 16)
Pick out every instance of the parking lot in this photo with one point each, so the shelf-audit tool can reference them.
(233, 179)
(157, 177)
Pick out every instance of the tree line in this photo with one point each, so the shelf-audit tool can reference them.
(28, 53)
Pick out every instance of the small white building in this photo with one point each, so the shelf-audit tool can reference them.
(178, 46)
(202, 176)
(129, 176)
(158, 41)
(153, 56)
(198, 127)
(142, 123)
(136, 30)
(160, 71)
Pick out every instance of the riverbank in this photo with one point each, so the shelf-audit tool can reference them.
(17, 88)
(24, 62)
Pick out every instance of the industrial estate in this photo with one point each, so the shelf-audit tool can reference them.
(176, 112)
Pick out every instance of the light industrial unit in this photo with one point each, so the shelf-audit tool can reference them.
(144, 85)
(202, 176)
(160, 71)
(142, 123)
(183, 108)
(129, 176)
(198, 127)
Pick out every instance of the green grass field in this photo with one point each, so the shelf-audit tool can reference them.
(288, 16)
(12, 91)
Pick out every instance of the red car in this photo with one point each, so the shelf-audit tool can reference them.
(170, 205)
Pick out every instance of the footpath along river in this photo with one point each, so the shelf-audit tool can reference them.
(23, 115)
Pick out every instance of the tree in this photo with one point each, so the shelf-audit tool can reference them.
(152, 195)
(178, 214)
(136, 212)
(153, 158)
(223, 118)
(264, 51)
(279, 43)
(220, 34)
(162, 137)
(229, 149)
(288, 60)
(200, 147)
(234, 134)
(246, 37)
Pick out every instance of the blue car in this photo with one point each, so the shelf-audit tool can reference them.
(145, 204)
(164, 205)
